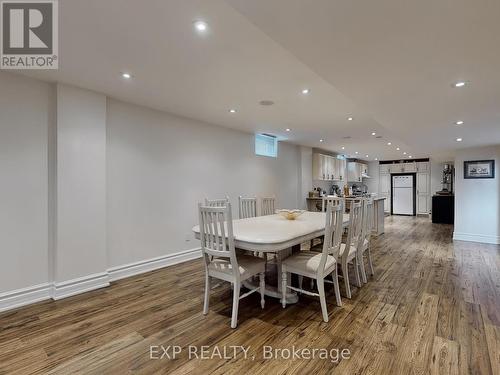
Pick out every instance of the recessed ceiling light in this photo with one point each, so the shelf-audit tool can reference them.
(343, 147)
(389, 143)
(305, 91)
(404, 153)
(287, 129)
(357, 152)
(366, 155)
(350, 118)
(376, 158)
(126, 75)
(397, 148)
(410, 156)
(232, 110)
(373, 133)
(459, 84)
(459, 139)
(200, 26)
(460, 122)
(321, 140)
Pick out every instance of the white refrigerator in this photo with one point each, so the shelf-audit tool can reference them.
(403, 195)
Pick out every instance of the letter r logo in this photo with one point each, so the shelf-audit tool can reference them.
(27, 27)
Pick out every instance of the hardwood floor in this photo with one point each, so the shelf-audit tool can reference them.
(432, 307)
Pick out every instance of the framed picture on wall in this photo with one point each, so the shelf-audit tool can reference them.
(479, 169)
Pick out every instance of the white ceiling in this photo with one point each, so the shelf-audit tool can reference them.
(388, 63)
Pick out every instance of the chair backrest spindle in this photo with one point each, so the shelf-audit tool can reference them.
(247, 207)
(268, 206)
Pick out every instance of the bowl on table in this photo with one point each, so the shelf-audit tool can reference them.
(290, 214)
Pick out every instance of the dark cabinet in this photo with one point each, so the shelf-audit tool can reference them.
(443, 209)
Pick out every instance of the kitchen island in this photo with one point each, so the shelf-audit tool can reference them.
(378, 215)
(314, 205)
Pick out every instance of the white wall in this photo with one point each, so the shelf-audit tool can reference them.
(160, 165)
(24, 119)
(477, 201)
(87, 189)
(305, 177)
(81, 184)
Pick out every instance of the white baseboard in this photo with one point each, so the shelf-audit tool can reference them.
(136, 268)
(25, 296)
(476, 238)
(80, 285)
(56, 291)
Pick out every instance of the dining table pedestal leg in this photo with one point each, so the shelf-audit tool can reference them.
(273, 272)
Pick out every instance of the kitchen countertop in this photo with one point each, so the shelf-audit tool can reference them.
(320, 198)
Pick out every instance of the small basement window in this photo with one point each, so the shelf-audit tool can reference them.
(266, 145)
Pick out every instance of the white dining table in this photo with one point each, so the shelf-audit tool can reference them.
(276, 234)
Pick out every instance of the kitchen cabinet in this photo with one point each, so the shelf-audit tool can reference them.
(353, 172)
(423, 166)
(423, 193)
(403, 168)
(384, 168)
(318, 173)
(364, 170)
(396, 168)
(356, 171)
(385, 190)
(341, 167)
(328, 168)
(409, 167)
(443, 209)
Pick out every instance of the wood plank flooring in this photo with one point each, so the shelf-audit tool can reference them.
(433, 307)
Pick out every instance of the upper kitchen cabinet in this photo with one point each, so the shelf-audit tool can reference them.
(356, 172)
(341, 169)
(328, 168)
(411, 167)
(423, 166)
(319, 167)
(402, 167)
(385, 168)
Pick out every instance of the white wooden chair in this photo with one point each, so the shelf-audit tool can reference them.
(267, 206)
(324, 204)
(221, 202)
(221, 262)
(365, 240)
(349, 250)
(318, 265)
(247, 207)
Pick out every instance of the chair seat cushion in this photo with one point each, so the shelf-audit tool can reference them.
(352, 251)
(247, 264)
(308, 261)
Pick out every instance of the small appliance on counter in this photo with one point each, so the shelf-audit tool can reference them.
(447, 182)
(359, 190)
(335, 190)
